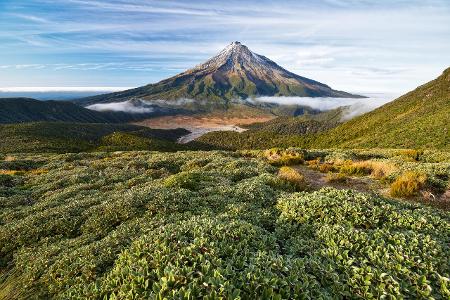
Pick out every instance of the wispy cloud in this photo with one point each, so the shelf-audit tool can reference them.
(31, 18)
(142, 8)
(30, 66)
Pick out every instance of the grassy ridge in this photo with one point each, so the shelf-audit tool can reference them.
(146, 225)
(419, 119)
(78, 137)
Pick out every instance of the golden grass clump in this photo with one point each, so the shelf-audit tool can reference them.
(10, 158)
(377, 169)
(408, 184)
(313, 163)
(411, 154)
(325, 167)
(360, 168)
(293, 176)
(278, 157)
(18, 172)
(9, 172)
(382, 169)
(336, 178)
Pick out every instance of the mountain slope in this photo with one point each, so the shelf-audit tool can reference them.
(235, 73)
(18, 110)
(420, 118)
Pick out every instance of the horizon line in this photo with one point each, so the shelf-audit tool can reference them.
(44, 89)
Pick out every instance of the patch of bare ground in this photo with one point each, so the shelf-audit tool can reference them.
(201, 124)
(435, 199)
(317, 180)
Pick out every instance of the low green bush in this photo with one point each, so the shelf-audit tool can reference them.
(210, 225)
(369, 247)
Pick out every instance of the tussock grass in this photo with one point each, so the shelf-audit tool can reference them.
(293, 176)
(279, 157)
(325, 167)
(408, 184)
(356, 168)
(336, 178)
(377, 169)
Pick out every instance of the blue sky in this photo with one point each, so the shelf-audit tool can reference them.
(354, 45)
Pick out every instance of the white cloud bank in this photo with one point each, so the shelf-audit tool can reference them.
(355, 106)
(139, 105)
(125, 106)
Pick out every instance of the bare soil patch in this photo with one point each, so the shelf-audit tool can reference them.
(317, 180)
(201, 124)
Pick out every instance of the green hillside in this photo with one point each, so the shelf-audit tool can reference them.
(77, 137)
(18, 110)
(301, 131)
(419, 119)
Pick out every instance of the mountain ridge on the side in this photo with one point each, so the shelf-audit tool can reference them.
(418, 119)
(20, 110)
(235, 73)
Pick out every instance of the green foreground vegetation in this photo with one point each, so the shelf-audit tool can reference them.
(217, 225)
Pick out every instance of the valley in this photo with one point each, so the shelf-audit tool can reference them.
(199, 125)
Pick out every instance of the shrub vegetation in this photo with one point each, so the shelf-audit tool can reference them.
(185, 225)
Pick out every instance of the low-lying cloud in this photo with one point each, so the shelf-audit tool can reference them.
(138, 106)
(178, 102)
(125, 106)
(354, 106)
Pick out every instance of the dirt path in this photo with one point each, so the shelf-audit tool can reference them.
(317, 180)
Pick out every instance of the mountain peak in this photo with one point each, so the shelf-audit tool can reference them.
(235, 73)
(237, 48)
(235, 55)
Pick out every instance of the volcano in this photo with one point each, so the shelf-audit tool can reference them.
(235, 73)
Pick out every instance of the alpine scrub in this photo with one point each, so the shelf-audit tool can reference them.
(210, 225)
